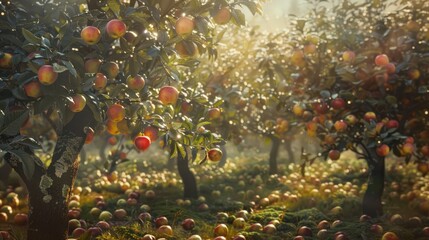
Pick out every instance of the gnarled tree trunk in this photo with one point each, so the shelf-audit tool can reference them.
(275, 145)
(188, 178)
(49, 188)
(371, 203)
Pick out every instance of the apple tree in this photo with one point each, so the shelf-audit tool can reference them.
(95, 66)
(365, 84)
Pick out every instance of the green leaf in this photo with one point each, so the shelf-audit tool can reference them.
(181, 150)
(13, 122)
(26, 141)
(115, 6)
(70, 67)
(27, 161)
(59, 68)
(200, 124)
(29, 36)
(218, 103)
(238, 17)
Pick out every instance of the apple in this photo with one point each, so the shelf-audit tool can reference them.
(186, 107)
(142, 142)
(392, 124)
(322, 234)
(186, 49)
(105, 216)
(148, 237)
(6, 61)
(220, 238)
(151, 132)
(269, 229)
(136, 83)
(89, 136)
(74, 213)
(116, 112)
(338, 103)
(3, 217)
(414, 222)
(239, 223)
(390, 68)
(383, 150)
(184, 25)
(116, 28)
(376, 229)
(111, 69)
(349, 56)
(188, 224)
(78, 104)
(160, 221)
(92, 65)
(214, 113)
(165, 230)
(32, 89)
(20, 219)
(95, 231)
(215, 154)
(95, 212)
(350, 119)
(297, 58)
(340, 236)
(425, 150)
(112, 127)
(370, 116)
(414, 74)
(396, 219)
(390, 236)
(298, 110)
(222, 16)
(47, 75)
(408, 148)
(168, 95)
(334, 154)
(120, 214)
(381, 60)
(305, 231)
(90, 35)
(320, 107)
(310, 48)
(423, 167)
(195, 237)
(73, 224)
(340, 126)
(221, 230)
(78, 232)
(100, 81)
(145, 216)
(255, 227)
(298, 238)
(324, 224)
(426, 231)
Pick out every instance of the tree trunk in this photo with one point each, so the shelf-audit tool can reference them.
(290, 154)
(371, 203)
(188, 178)
(275, 145)
(222, 162)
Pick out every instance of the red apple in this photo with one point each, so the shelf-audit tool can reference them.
(120, 214)
(148, 237)
(255, 227)
(370, 116)
(340, 126)
(100, 81)
(188, 224)
(160, 221)
(215, 154)
(116, 28)
(3, 217)
(214, 113)
(221, 230)
(390, 68)
(78, 104)
(111, 69)
(338, 103)
(184, 25)
(151, 132)
(334, 154)
(168, 95)
(165, 230)
(383, 150)
(92, 65)
(269, 229)
(78, 232)
(305, 231)
(142, 142)
(136, 83)
(381, 60)
(32, 89)
(20, 219)
(89, 135)
(390, 236)
(6, 60)
(47, 75)
(90, 35)
(222, 16)
(392, 124)
(324, 224)
(349, 56)
(116, 112)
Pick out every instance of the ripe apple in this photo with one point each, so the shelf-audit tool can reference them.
(220, 238)
(168, 95)
(136, 83)
(298, 110)
(396, 219)
(239, 223)
(215, 154)
(390, 68)
(338, 103)
(6, 60)
(392, 124)
(47, 75)
(298, 238)
(78, 232)
(111, 69)
(160, 221)
(414, 74)
(89, 135)
(370, 116)
(324, 224)
(90, 35)
(148, 237)
(426, 231)
(92, 65)
(116, 28)
(149, 194)
(425, 150)
(390, 236)
(142, 142)
(165, 230)
(100, 81)
(20, 219)
(255, 227)
(269, 229)
(78, 104)
(340, 126)
(349, 56)
(32, 89)
(95, 231)
(350, 119)
(222, 16)
(320, 107)
(186, 49)
(186, 107)
(412, 26)
(184, 25)
(188, 224)
(305, 231)
(151, 132)
(73, 224)
(408, 148)
(423, 167)
(116, 112)
(334, 154)
(383, 150)
(105, 216)
(381, 60)
(214, 113)
(221, 230)
(3, 217)
(195, 237)
(145, 216)
(120, 214)
(376, 229)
